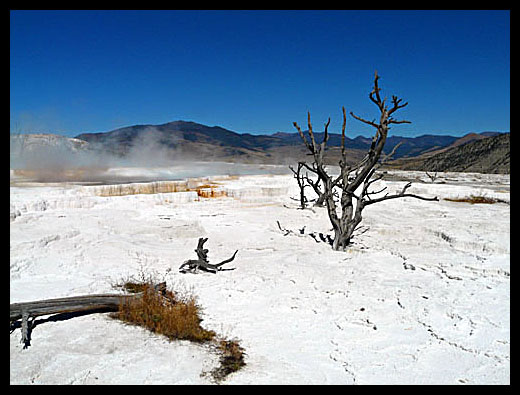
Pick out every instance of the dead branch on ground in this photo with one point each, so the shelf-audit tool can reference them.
(202, 262)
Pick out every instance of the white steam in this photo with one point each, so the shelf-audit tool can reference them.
(148, 157)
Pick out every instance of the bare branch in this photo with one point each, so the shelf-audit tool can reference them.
(370, 182)
(400, 195)
(397, 122)
(396, 105)
(375, 91)
(311, 134)
(303, 137)
(386, 157)
(343, 154)
(326, 135)
(375, 192)
(371, 123)
(227, 260)
(313, 168)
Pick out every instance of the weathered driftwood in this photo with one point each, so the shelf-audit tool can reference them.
(74, 304)
(67, 305)
(203, 262)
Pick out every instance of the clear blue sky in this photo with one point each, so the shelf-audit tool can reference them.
(258, 71)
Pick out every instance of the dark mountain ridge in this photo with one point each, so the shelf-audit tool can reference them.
(184, 134)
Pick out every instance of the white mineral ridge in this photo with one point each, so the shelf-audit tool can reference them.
(421, 297)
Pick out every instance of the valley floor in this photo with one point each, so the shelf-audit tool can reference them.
(421, 297)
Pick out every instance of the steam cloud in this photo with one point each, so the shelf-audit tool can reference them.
(51, 158)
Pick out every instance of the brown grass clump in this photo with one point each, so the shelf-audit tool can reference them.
(166, 314)
(177, 316)
(476, 200)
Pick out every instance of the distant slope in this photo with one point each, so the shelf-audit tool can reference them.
(458, 142)
(481, 155)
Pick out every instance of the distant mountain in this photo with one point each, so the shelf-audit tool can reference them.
(186, 139)
(174, 133)
(194, 140)
(183, 140)
(477, 154)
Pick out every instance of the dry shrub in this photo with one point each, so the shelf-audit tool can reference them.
(476, 200)
(177, 316)
(164, 313)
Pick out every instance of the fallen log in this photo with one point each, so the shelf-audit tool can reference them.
(67, 305)
(74, 304)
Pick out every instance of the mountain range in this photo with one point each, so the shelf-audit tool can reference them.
(186, 140)
(180, 134)
(194, 140)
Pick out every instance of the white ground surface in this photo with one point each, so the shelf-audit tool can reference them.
(422, 297)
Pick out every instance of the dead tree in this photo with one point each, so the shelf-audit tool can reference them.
(203, 262)
(353, 182)
(301, 183)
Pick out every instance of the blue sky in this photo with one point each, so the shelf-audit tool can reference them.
(257, 71)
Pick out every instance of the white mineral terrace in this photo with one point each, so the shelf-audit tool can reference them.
(422, 296)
